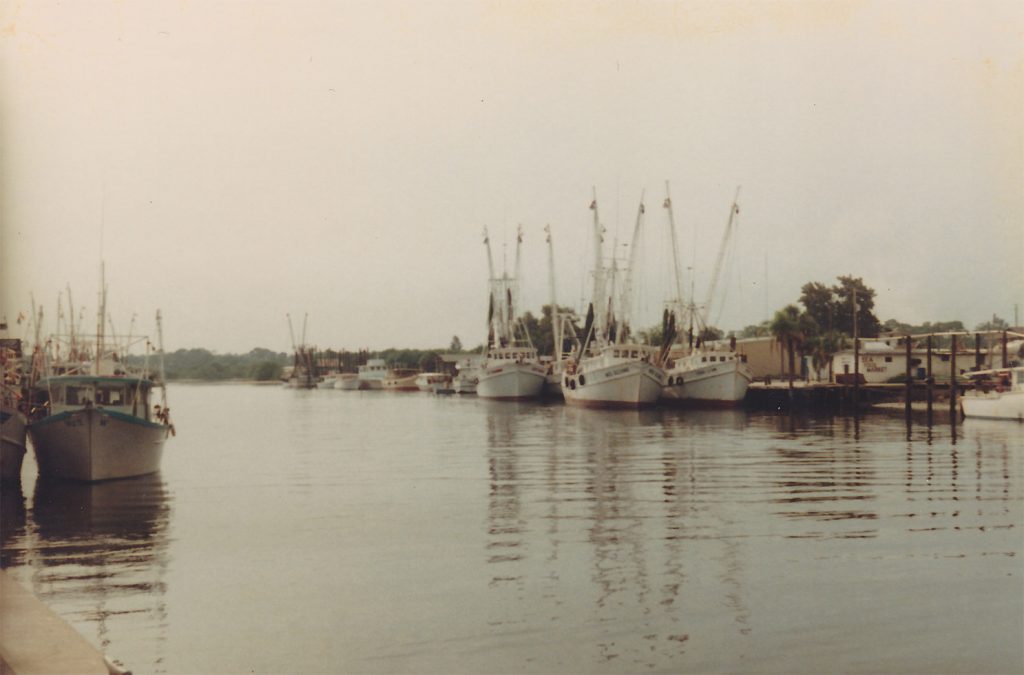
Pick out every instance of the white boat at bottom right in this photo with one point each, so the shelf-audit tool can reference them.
(997, 394)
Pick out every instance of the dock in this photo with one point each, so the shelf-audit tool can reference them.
(832, 397)
(34, 640)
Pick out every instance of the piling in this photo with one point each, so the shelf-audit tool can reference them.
(1006, 362)
(930, 381)
(910, 378)
(977, 351)
(952, 376)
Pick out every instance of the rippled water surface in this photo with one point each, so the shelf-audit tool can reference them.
(332, 531)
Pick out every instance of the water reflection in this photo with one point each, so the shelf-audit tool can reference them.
(98, 555)
(12, 524)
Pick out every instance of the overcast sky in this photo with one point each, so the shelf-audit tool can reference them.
(234, 162)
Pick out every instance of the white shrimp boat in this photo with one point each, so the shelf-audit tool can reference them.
(431, 382)
(511, 370)
(13, 423)
(697, 376)
(707, 378)
(997, 394)
(608, 370)
(618, 376)
(94, 417)
(511, 374)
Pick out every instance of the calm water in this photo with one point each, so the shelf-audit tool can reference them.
(331, 531)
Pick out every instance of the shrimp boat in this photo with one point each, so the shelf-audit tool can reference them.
(91, 417)
(13, 423)
(696, 376)
(997, 394)
(608, 369)
(303, 373)
(511, 370)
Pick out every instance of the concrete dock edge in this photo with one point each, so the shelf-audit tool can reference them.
(34, 640)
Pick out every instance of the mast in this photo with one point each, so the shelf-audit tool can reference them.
(556, 324)
(627, 284)
(733, 212)
(100, 316)
(598, 296)
(678, 302)
(71, 324)
(491, 288)
(160, 347)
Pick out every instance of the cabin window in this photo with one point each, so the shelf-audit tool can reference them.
(944, 358)
(888, 359)
(634, 354)
(110, 396)
(703, 359)
(78, 395)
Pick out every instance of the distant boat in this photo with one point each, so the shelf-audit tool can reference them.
(511, 370)
(466, 376)
(372, 373)
(429, 382)
(13, 423)
(608, 370)
(997, 394)
(697, 376)
(401, 379)
(326, 381)
(94, 420)
(303, 373)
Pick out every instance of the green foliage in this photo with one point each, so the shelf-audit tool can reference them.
(541, 330)
(832, 307)
(456, 344)
(202, 364)
(995, 324)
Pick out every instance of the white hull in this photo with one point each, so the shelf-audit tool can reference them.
(711, 384)
(631, 384)
(509, 381)
(12, 444)
(348, 382)
(400, 384)
(93, 444)
(994, 405)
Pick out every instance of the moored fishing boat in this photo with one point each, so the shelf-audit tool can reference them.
(608, 370)
(511, 370)
(997, 394)
(13, 423)
(707, 378)
(695, 376)
(92, 419)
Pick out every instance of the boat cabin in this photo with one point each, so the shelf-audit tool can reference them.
(127, 395)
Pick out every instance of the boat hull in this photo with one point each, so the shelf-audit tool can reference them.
(12, 444)
(347, 383)
(994, 405)
(93, 444)
(635, 384)
(511, 382)
(712, 385)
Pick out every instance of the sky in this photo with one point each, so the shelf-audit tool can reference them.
(234, 163)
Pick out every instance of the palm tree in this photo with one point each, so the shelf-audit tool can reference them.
(793, 328)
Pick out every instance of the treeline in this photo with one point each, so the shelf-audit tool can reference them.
(201, 364)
